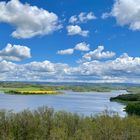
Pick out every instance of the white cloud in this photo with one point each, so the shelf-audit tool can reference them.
(73, 19)
(82, 46)
(82, 17)
(76, 30)
(121, 69)
(66, 52)
(29, 21)
(127, 12)
(33, 71)
(15, 53)
(6, 67)
(45, 66)
(105, 15)
(98, 54)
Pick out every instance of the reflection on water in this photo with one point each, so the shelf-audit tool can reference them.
(86, 103)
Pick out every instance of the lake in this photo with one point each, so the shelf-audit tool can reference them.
(85, 103)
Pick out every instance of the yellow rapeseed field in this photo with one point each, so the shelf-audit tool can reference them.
(35, 92)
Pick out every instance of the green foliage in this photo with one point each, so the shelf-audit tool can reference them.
(132, 102)
(45, 124)
(127, 97)
(133, 108)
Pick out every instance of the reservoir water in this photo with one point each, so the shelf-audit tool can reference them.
(85, 103)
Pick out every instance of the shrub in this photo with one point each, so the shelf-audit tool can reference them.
(133, 108)
(45, 124)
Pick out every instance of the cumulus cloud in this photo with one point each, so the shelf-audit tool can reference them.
(15, 53)
(34, 71)
(82, 17)
(28, 20)
(82, 46)
(121, 69)
(66, 52)
(7, 67)
(98, 54)
(73, 19)
(105, 15)
(126, 12)
(76, 30)
(123, 66)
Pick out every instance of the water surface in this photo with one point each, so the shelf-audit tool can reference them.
(85, 103)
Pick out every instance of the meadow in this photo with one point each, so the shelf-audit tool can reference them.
(40, 88)
(76, 87)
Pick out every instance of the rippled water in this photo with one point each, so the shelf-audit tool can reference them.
(85, 103)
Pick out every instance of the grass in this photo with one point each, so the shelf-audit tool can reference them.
(32, 88)
(10, 89)
(133, 90)
(4, 86)
(27, 88)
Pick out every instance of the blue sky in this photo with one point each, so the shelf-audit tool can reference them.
(38, 37)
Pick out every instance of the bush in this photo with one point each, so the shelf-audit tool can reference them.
(45, 124)
(133, 108)
(126, 97)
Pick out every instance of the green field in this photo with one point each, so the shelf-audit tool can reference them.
(6, 86)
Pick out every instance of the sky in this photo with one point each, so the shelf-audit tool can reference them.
(70, 41)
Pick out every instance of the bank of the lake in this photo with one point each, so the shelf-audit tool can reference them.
(132, 102)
